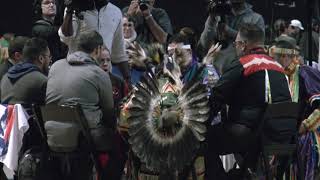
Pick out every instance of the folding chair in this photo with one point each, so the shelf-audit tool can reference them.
(278, 117)
(72, 112)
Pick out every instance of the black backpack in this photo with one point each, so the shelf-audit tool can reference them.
(33, 165)
(33, 159)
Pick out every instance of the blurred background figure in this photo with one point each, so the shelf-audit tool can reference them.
(280, 28)
(129, 32)
(295, 29)
(4, 44)
(103, 17)
(15, 54)
(153, 25)
(304, 45)
(44, 27)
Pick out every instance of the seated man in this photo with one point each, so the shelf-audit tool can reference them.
(305, 90)
(243, 88)
(78, 78)
(25, 83)
(15, 54)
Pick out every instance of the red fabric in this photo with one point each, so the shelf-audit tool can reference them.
(10, 122)
(248, 58)
(104, 159)
(126, 88)
(259, 62)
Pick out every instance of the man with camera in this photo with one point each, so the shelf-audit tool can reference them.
(102, 16)
(152, 24)
(222, 25)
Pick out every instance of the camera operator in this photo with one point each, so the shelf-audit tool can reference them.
(101, 16)
(152, 24)
(222, 25)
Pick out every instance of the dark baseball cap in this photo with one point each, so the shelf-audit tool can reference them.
(287, 40)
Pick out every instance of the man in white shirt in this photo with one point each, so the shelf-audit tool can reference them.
(106, 19)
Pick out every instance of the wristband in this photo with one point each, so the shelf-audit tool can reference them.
(305, 126)
(148, 17)
(313, 121)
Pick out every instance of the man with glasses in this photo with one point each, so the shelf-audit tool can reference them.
(153, 25)
(295, 29)
(246, 86)
(25, 83)
(45, 28)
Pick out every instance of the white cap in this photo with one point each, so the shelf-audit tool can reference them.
(296, 23)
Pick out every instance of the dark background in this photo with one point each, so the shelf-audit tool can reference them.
(16, 15)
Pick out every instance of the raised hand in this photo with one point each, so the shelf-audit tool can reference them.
(212, 53)
(136, 54)
(133, 8)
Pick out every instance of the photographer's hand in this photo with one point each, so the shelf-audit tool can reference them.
(146, 13)
(67, 27)
(227, 31)
(212, 53)
(222, 27)
(133, 8)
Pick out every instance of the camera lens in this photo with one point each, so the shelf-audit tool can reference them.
(143, 6)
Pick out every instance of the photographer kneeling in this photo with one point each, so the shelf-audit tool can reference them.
(222, 25)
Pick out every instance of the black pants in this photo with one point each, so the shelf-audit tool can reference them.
(71, 167)
(225, 139)
(113, 168)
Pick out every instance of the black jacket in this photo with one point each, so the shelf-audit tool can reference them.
(118, 91)
(47, 31)
(243, 87)
(23, 84)
(4, 67)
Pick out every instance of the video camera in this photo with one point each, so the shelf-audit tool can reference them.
(83, 5)
(220, 7)
(144, 4)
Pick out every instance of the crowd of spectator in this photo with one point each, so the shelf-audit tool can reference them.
(99, 54)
